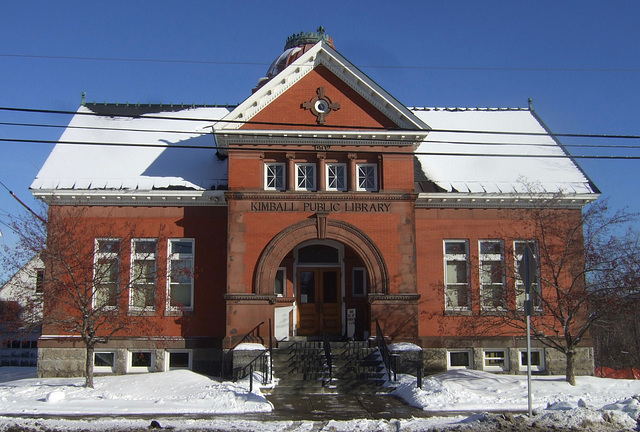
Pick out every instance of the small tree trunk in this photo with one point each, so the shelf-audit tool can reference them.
(571, 367)
(88, 367)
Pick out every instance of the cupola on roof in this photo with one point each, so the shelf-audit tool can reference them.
(297, 44)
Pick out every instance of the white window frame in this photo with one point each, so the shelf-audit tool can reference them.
(104, 369)
(167, 359)
(97, 256)
(283, 271)
(134, 283)
(363, 277)
(139, 369)
(308, 177)
(450, 257)
(496, 368)
(467, 351)
(271, 174)
(175, 256)
(362, 177)
(522, 354)
(332, 170)
(536, 295)
(485, 258)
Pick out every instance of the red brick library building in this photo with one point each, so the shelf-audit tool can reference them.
(320, 204)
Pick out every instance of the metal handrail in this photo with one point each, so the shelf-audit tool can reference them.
(327, 351)
(252, 335)
(264, 361)
(387, 357)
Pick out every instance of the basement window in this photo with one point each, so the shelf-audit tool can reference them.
(459, 359)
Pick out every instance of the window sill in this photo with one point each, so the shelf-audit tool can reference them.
(178, 312)
(454, 312)
(141, 312)
(494, 312)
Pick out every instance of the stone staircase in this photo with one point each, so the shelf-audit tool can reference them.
(354, 367)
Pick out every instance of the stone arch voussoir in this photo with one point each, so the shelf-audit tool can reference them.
(309, 229)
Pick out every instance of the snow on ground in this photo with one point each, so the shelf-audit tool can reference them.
(174, 392)
(458, 399)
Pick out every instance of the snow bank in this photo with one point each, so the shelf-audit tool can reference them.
(175, 392)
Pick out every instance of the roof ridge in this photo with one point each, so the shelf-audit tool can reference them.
(452, 109)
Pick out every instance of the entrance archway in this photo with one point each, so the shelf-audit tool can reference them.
(319, 284)
(321, 228)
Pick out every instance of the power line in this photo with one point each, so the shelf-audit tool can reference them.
(238, 63)
(320, 127)
(278, 148)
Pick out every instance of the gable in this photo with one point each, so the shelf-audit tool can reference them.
(292, 109)
(363, 98)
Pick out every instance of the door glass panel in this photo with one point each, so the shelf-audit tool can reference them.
(330, 286)
(318, 254)
(307, 286)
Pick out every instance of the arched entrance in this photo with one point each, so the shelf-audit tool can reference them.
(329, 281)
(319, 288)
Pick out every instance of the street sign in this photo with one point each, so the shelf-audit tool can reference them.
(527, 268)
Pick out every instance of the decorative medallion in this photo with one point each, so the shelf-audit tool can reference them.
(320, 105)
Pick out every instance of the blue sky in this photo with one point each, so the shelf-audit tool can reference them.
(578, 60)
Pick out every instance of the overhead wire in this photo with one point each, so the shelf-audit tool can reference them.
(240, 63)
(268, 123)
(287, 134)
(276, 148)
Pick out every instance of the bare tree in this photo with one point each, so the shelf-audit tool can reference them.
(101, 275)
(588, 265)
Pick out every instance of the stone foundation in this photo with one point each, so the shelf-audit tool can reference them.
(70, 362)
(553, 362)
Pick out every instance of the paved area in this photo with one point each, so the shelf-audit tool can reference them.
(339, 407)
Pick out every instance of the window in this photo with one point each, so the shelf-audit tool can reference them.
(39, 281)
(537, 360)
(456, 269)
(518, 248)
(281, 282)
(140, 361)
(492, 280)
(367, 177)
(336, 177)
(359, 282)
(459, 359)
(274, 177)
(144, 260)
(496, 360)
(306, 176)
(181, 253)
(106, 273)
(104, 361)
(178, 360)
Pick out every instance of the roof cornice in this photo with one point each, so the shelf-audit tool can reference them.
(322, 54)
(139, 198)
(319, 137)
(467, 200)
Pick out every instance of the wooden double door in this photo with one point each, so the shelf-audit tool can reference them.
(319, 298)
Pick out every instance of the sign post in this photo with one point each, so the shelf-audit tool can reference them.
(527, 269)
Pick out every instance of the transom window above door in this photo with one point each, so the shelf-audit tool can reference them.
(318, 254)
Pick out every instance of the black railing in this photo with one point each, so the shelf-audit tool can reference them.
(327, 353)
(263, 362)
(252, 336)
(388, 358)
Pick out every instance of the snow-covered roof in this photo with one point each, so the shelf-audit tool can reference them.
(133, 150)
(144, 151)
(521, 152)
